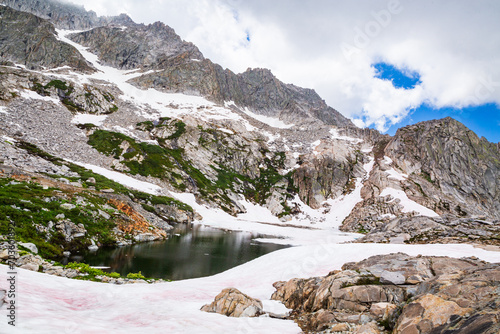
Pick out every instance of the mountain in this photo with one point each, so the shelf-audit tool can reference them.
(138, 103)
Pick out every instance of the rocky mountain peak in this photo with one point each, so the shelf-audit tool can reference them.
(65, 15)
(454, 159)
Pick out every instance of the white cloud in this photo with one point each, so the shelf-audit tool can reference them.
(454, 46)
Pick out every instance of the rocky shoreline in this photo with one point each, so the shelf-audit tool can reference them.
(393, 293)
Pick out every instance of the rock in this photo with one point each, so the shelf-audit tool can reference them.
(105, 215)
(447, 293)
(3, 294)
(93, 248)
(66, 253)
(370, 328)
(389, 277)
(91, 180)
(143, 237)
(32, 41)
(60, 216)
(428, 311)
(4, 254)
(233, 303)
(108, 190)
(322, 320)
(30, 266)
(382, 311)
(342, 327)
(31, 246)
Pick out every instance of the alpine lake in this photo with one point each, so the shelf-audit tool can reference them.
(190, 251)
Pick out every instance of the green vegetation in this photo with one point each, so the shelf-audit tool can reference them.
(135, 275)
(34, 150)
(92, 272)
(170, 164)
(112, 109)
(31, 207)
(363, 280)
(180, 128)
(86, 126)
(427, 176)
(145, 126)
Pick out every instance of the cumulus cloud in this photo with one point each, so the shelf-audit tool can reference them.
(331, 46)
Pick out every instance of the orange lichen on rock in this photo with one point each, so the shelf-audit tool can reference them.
(137, 223)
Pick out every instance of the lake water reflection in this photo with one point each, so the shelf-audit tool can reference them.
(191, 251)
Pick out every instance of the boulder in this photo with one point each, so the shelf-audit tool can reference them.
(32, 247)
(233, 303)
(30, 266)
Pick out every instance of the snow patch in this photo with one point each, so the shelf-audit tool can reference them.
(271, 121)
(123, 179)
(335, 135)
(29, 94)
(87, 118)
(408, 204)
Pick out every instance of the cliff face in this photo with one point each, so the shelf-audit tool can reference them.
(138, 46)
(453, 161)
(32, 41)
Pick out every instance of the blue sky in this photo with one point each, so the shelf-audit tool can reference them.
(483, 119)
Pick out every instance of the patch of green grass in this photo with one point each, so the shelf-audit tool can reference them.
(92, 272)
(135, 275)
(34, 150)
(180, 128)
(112, 109)
(59, 84)
(86, 126)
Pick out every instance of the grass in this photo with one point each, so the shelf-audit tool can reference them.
(28, 206)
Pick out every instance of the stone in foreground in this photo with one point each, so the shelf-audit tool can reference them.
(233, 303)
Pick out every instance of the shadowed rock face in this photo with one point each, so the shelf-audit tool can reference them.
(31, 41)
(407, 294)
(138, 46)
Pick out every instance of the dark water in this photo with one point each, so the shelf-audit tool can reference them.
(191, 251)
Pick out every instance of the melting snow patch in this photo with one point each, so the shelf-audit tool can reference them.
(271, 121)
(29, 94)
(335, 135)
(408, 204)
(86, 118)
